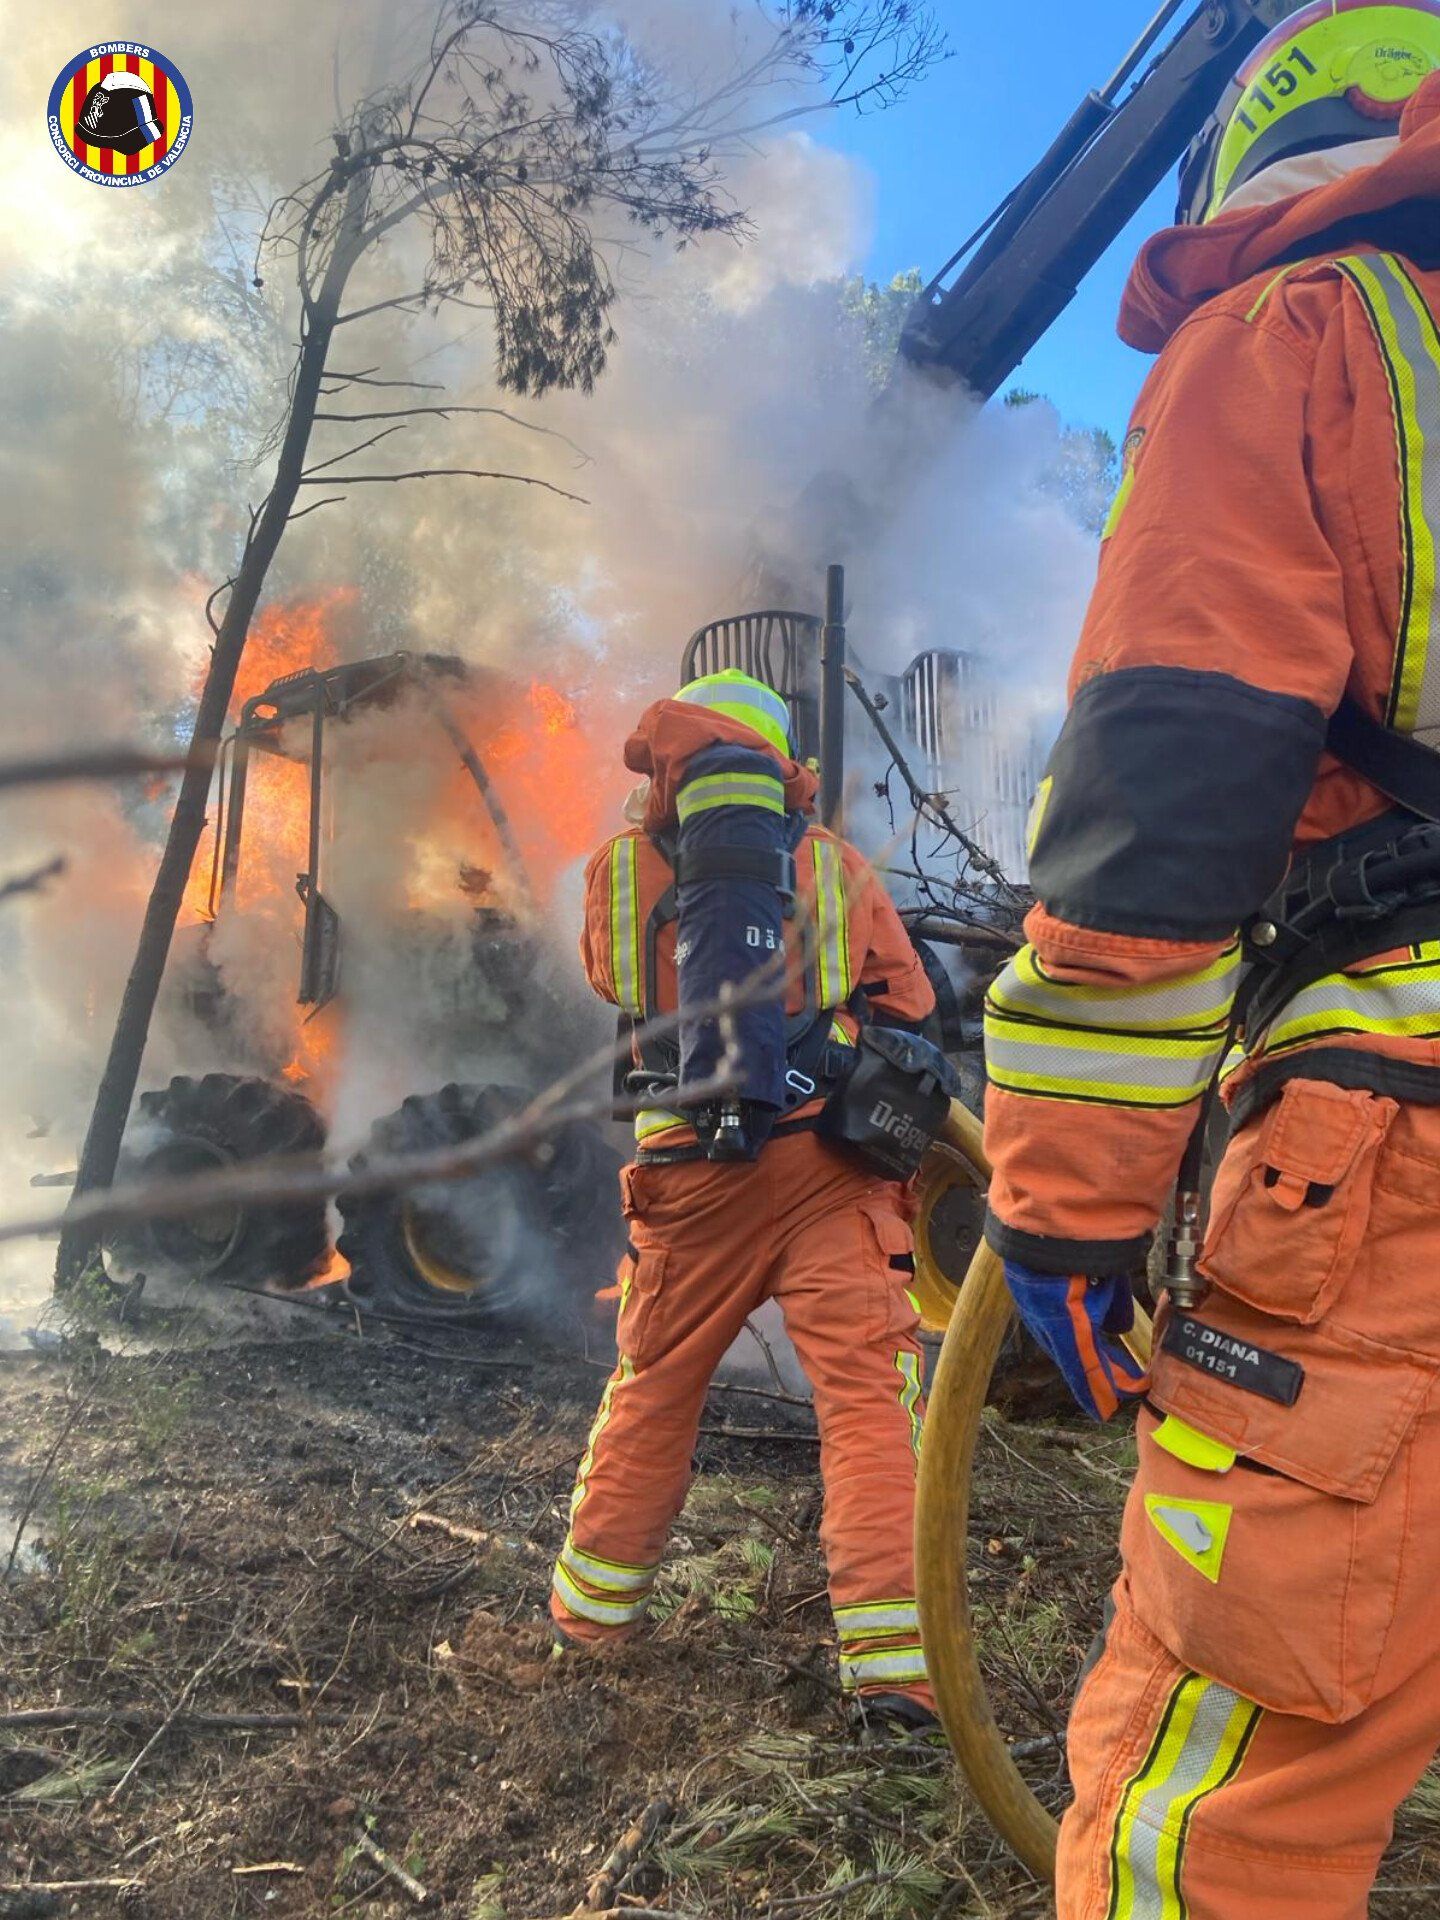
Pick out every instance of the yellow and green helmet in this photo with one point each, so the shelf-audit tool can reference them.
(742, 697)
(1335, 72)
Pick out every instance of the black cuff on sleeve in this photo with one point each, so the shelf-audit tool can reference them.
(1097, 1259)
(1174, 798)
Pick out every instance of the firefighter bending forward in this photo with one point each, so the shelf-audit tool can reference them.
(1268, 1685)
(802, 1223)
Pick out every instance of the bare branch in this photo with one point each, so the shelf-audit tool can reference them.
(444, 413)
(210, 620)
(364, 380)
(286, 1179)
(441, 473)
(330, 500)
(350, 452)
(95, 763)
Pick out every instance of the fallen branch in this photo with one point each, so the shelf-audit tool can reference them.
(624, 1855)
(185, 1695)
(44, 1896)
(764, 1393)
(269, 1866)
(761, 1433)
(131, 1718)
(473, 1536)
(378, 1856)
(841, 1892)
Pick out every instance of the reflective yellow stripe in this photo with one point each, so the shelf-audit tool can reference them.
(1406, 333)
(832, 926)
(713, 790)
(1198, 1001)
(626, 960)
(899, 1665)
(611, 1575)
(605, 1613)
(1401, 998)
(740, 697)
(912, 1387)
(653, 1120)
(1199, 1746)
(1146, 1046)
(624, 1370)
(1112, 521)
(873, 1617)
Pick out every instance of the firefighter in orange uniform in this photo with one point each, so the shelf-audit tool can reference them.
(801, 1221)
(1247, 783)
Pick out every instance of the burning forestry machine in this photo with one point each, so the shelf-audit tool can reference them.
(516, 1241)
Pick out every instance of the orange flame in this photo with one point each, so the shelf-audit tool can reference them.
(551, 753)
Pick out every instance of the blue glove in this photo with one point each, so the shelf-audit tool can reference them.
(1078, 1321)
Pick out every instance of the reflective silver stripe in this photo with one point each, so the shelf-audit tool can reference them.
(1201, 999)
(1401, 999)
(877, 1616)
(900, 1664)
(625, 961)
(1154, 1046)
(612, 1575)
(912, 1387)
(604, 1613)
(730, 790)
(1199, 1746)
(1111, 1070)
(1409, 344)
(832, 927)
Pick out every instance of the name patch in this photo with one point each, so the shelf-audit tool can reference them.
(1234, 1361)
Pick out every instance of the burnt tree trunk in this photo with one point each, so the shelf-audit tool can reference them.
(116, 1090)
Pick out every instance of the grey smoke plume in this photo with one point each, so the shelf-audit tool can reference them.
(139, 373)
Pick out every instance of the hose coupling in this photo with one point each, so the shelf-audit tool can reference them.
(1184, 1282)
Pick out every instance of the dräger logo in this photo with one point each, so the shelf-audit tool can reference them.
(901, 1128)
(120, 114)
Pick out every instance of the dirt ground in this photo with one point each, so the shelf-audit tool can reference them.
(270, 1681)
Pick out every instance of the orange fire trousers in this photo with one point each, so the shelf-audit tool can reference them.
(810, 1228)
(1269, 1688)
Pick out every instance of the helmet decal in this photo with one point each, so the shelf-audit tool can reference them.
(1334, 73)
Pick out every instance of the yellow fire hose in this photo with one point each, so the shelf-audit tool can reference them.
(977, 1328)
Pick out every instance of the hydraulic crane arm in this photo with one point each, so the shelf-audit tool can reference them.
(1022, 269)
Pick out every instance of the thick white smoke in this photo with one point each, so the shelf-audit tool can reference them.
(139, 371)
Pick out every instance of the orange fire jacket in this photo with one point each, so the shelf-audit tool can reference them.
(845, 918)
(1273, 544)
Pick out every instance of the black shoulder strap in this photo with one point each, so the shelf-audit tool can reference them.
(1401, 767)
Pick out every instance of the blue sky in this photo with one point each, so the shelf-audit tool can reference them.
(961, 140)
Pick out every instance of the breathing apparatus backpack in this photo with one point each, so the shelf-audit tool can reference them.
(733, 858)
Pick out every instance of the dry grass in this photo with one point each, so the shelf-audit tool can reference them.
(224, 1532)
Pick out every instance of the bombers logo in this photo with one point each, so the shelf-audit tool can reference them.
(120, 114)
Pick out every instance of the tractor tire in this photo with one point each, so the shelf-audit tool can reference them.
(219, 1121)
(515, 1245)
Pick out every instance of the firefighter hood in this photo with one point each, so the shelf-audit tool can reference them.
(672, 732)
(1394, 204)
